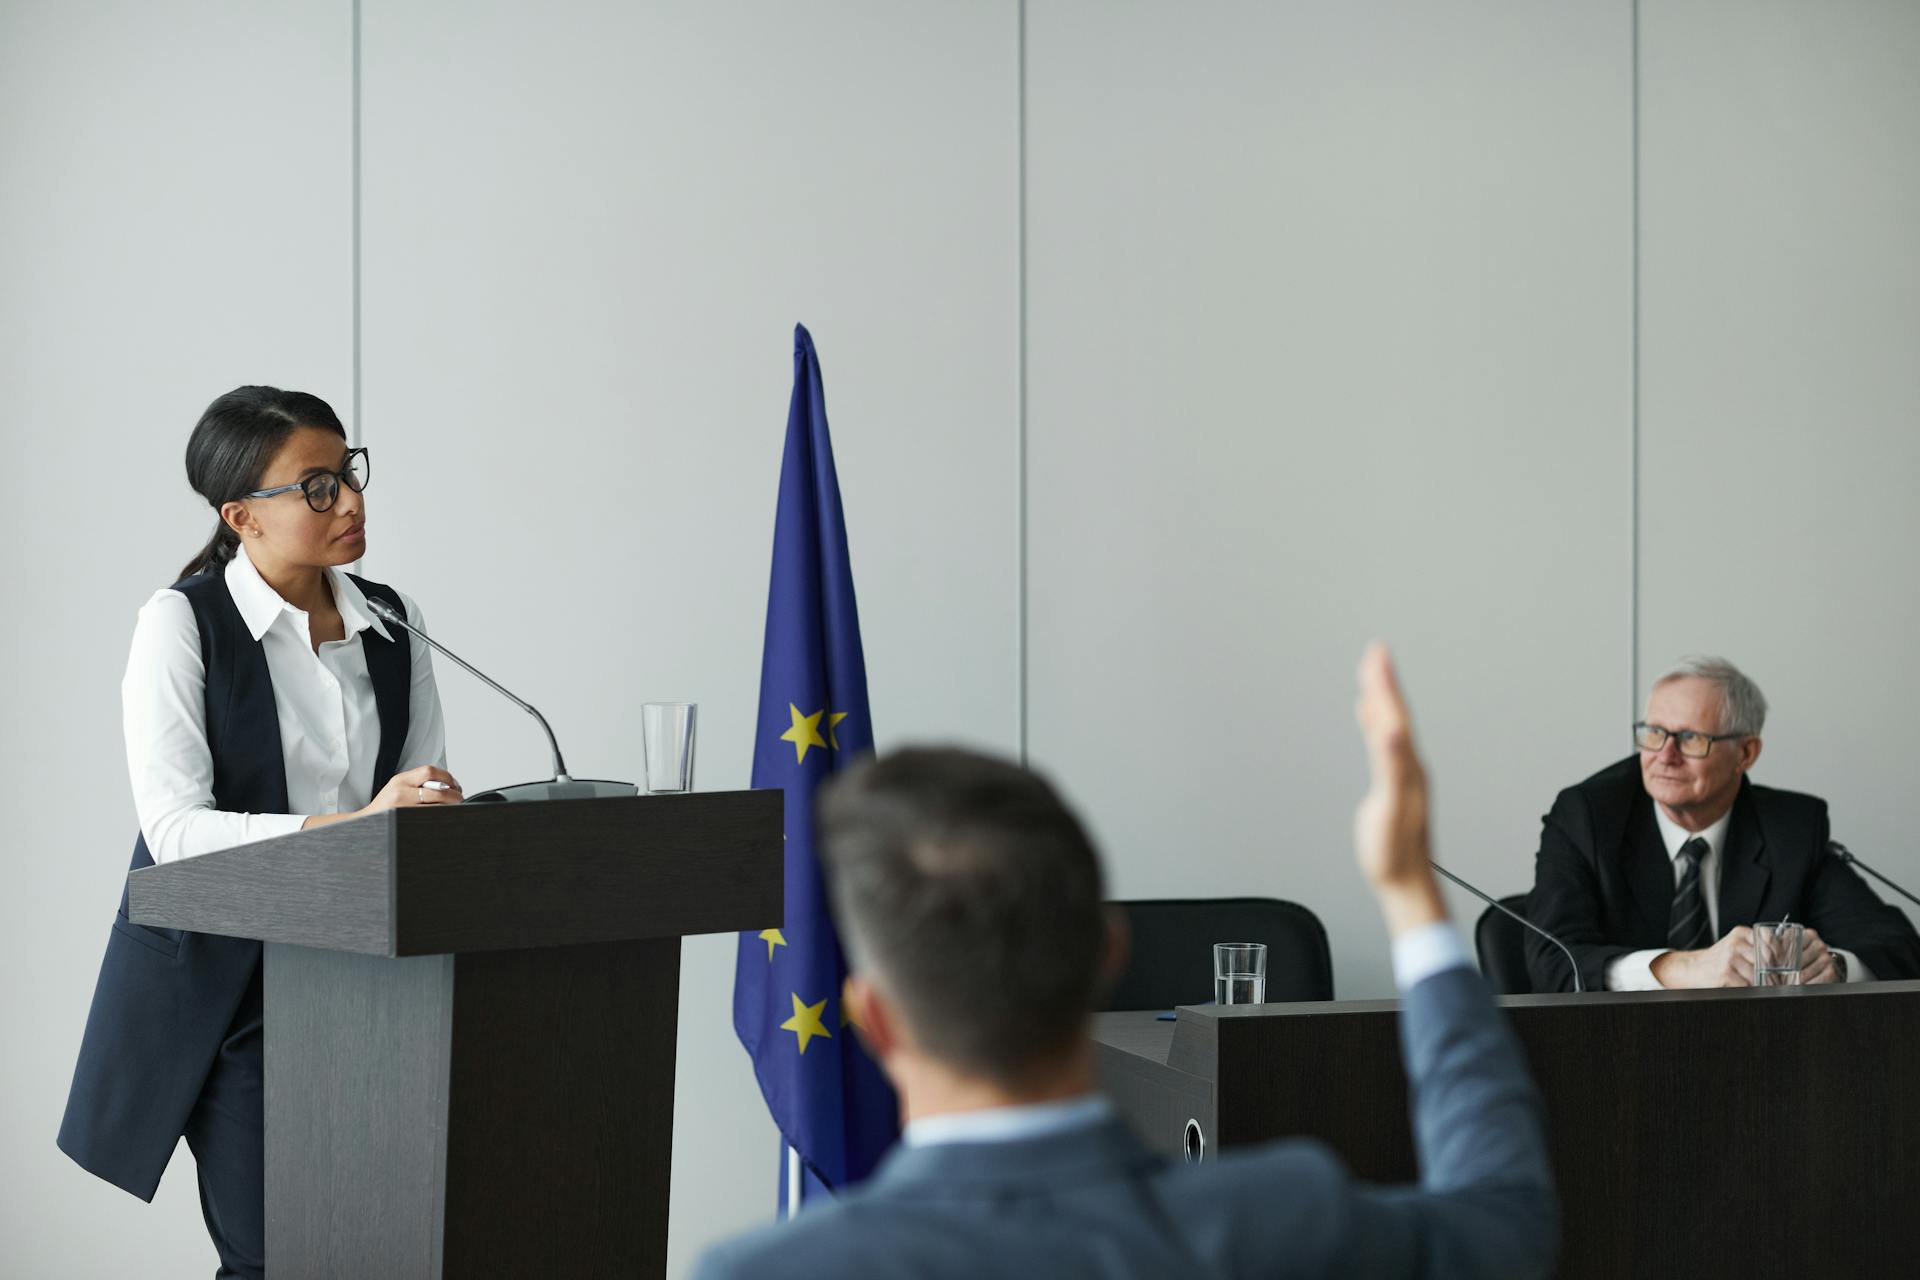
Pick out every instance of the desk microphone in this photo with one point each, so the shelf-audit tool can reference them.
(1497, 905)
(1841, 852)
(560, 786)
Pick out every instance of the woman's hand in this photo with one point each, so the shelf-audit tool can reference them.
(409, 789)
(403, 791)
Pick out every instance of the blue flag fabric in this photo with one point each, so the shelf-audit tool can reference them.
(831, 1102)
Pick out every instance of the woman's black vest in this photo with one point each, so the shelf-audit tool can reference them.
(166, 998)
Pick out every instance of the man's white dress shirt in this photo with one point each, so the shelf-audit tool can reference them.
(329, 726)
(1634, 971)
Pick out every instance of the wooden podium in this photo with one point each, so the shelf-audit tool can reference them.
(1693, 1133)
(470, 1022)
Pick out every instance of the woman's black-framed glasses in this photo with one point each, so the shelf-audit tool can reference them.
(322, 489)
(1653, 737)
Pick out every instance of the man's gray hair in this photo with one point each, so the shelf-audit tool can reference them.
(1743, 708)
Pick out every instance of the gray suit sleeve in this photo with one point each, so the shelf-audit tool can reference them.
(1485, 1205)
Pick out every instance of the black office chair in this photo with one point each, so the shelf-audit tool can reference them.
(1171, 959)
(1502, 944)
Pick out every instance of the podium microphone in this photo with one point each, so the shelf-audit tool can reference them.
(1497, 905)
(560, 786)
(1841, 852)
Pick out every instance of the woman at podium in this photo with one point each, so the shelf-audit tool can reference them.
(261, 696)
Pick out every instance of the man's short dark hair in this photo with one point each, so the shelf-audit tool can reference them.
(969, 891)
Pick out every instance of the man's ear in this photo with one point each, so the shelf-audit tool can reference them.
(1749, 752)
(872, 1018)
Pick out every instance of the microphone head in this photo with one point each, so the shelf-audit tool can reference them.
(382, 610)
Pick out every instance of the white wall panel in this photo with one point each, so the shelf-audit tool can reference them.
(589, 230)
(1328, 312)
(173, 223)
(1781, 389)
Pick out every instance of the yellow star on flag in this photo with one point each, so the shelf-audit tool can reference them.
(806, 1023)
(804, 733)
(773, 939)
(833, 719)
(847, 1016)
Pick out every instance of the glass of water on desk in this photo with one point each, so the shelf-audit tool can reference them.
(1240, 972)
(1776, 955)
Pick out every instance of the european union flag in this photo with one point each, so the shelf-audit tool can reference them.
(831, 1102)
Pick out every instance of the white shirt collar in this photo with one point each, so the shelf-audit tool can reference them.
(353, 606)
(260, 604)
(1675, 835)
(1008, 1124)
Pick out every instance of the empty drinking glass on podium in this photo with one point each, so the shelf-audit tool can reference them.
(666, 731)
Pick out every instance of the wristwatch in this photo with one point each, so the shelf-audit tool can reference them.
(1839, 966)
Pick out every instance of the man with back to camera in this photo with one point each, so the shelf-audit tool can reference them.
(1653, 870)
(970, 900)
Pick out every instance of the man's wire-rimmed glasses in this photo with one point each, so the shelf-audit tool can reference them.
(1653, 737)
(322, 489)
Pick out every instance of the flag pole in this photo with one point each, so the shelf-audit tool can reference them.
(793, 1181)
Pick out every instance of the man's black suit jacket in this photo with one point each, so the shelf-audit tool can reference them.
(1603, 881)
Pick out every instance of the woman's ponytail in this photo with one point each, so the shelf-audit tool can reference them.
(214, 556)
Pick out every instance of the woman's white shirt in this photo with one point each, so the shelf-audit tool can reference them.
(329, 726)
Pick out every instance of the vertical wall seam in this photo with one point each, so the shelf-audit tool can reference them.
(1633, 659)
(1020, 376)
(359, 435)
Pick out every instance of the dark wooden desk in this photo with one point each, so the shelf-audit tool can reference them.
(1693, 1133)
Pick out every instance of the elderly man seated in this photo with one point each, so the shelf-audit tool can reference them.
(1653, 870)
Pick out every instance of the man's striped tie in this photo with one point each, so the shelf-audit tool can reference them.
(1688, 928)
